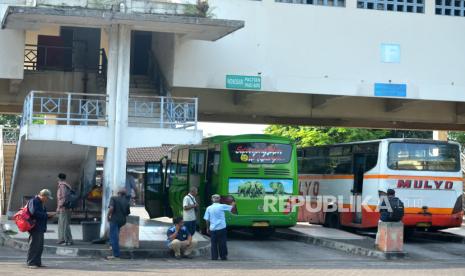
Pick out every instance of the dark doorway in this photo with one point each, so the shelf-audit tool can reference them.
(357, 191)
(141, 44)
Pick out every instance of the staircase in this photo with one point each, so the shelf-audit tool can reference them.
(142, 110)
(9, 153)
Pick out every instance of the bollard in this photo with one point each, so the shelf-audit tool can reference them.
(129, 233)
(390, 236)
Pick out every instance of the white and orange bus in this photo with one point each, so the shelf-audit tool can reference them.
(425, 174)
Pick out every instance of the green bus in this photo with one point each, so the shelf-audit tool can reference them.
(258, 172)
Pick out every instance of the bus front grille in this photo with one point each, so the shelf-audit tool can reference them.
(246, 171)
(277, 172)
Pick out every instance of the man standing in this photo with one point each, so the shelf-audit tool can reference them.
(36, 207)
(118, 211)
(131, 188)
(391, 208)
(64, 214)
(189, 214)
(216, 227)
(180, 240)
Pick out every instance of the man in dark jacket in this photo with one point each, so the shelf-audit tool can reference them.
(391, 208)
(117, 213)
(38, 212)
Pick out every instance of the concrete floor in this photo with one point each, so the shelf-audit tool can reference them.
(260, 257)
(256, 257)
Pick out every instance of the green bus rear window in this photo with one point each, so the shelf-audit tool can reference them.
(260, 153)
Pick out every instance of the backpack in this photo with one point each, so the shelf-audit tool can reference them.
(23, 219)
(71, 199)
(397, 209)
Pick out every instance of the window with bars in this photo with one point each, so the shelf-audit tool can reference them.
(331, 3)
(414, 6)
(450, 7)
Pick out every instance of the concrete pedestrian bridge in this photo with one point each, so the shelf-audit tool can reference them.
(142, 73)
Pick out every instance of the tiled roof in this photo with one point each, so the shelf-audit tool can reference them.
(139, 156)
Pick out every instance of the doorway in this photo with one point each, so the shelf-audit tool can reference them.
(141, 44)
(359, 166)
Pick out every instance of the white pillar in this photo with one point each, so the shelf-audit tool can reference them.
(118, 97)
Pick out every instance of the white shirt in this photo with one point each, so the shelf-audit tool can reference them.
(188, 215)
(215, 215)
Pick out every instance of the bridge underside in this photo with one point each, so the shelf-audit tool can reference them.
(324, 110)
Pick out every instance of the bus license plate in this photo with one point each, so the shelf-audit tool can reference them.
(423, 224)
(260, 224)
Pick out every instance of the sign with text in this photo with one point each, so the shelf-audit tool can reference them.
(390, 90)
(390, 53)
(244, 82)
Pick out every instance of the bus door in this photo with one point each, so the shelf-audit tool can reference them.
(155, 191)
(196, 168)
(359, 165)
(209, 174)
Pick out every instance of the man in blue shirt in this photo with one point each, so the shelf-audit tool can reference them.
(36, 207)
(180, 240)
(216, 227)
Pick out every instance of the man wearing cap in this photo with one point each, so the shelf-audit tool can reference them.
(36, 207)
(216, 227)
(118, 211)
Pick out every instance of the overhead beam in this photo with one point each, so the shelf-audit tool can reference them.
(260, 119)
(321, 101)
(460, 108)
(395, 105)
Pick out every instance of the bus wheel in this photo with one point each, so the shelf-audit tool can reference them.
(263, 233)
(408, 233)
(332, 220)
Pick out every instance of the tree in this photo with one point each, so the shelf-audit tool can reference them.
(457, 136)
(314, 136)
(10, 120)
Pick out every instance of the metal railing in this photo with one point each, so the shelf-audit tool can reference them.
(163, 112)
(63, 108)
(10, 135)
(44, 57)
(62, 58)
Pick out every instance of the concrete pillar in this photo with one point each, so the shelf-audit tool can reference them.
(118, 97)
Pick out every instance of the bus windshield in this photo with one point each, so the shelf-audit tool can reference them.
(260, 153)
(424, 157)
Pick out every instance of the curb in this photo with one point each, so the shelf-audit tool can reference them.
(6, 240)
(341, 246)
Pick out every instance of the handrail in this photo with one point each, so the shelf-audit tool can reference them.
(163, 112)
(66, 93)
(10, 135)
(64, 107)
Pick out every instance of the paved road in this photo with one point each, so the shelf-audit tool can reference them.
(250, 257)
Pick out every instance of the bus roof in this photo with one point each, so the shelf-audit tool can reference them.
(226, 138)
(406, 140)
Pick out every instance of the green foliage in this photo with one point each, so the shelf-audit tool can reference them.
(315, 136)
(8, 120)
(200, 9)
(457, 136)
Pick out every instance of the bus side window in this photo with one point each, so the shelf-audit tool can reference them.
(216, 162)
(197, 163)
(183, 161)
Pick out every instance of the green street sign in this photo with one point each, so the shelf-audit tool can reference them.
(244, 82)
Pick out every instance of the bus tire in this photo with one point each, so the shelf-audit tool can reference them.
(263, 233)
(408, 233)
(332, 220)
